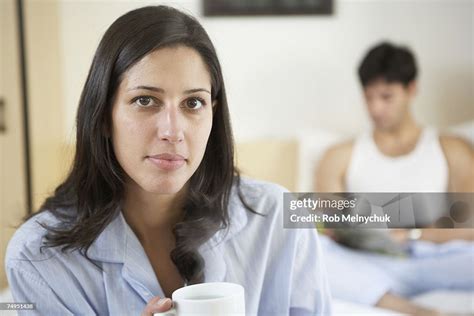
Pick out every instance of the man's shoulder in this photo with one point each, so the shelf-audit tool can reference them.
(26, 242)
(341, 149)
(460, 158)
(458, 144)
(457, 150)
(337, 157)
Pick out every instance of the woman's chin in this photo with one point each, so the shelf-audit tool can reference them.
(165, 187)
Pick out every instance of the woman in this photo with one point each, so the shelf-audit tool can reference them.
(153, 201)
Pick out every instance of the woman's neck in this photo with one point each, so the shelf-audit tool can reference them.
(150, 214)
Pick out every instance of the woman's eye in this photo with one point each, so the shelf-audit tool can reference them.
(144, 101)
(194, 103)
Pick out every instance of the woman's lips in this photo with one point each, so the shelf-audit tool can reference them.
(167, 161)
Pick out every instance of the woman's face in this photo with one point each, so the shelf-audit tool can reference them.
(162, 118)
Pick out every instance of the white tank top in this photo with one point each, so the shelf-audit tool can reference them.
(424, 169)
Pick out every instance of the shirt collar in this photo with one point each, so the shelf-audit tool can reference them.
(118, 244)
(237, 221)
(117, 238)
(111, 243)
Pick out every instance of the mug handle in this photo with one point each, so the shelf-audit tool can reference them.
(171, 312)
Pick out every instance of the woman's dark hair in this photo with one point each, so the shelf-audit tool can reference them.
(388, 62)
(90, 196)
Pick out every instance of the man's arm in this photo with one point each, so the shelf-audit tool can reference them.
(405, 306)
(460, 157)
(331, 169)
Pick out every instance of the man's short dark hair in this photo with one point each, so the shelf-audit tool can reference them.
(388, 62)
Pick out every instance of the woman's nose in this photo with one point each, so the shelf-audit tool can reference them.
(170, 125)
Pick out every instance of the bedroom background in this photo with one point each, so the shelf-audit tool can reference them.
(291, 82)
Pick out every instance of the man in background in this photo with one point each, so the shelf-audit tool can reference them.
(399, 155)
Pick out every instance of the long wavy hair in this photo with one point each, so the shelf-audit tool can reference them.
(90, 196)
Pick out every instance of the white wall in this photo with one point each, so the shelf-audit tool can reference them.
(288, 73)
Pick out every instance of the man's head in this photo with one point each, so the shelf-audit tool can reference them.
(388, 76)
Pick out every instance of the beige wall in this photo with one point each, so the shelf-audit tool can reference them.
(49, 156)
(276, 88)
(12, 171)
(45, 97)
(269, 160)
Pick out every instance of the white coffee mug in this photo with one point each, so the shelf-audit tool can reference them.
(208, 299)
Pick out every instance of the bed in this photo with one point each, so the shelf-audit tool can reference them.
(291, 162)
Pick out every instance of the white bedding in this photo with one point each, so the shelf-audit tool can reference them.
(458, 303)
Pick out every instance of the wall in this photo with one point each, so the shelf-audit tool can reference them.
(12, 170)
(47, 102)
(298, 72)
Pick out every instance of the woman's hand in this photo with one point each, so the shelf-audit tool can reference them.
(157, 305)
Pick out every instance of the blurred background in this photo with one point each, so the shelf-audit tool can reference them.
(291, 82)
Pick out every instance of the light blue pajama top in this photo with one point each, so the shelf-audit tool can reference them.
(281, 270)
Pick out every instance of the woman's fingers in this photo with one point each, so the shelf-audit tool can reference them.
(157, 305)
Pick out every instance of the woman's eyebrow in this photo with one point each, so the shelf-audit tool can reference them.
(157, 89)
(196, 90)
